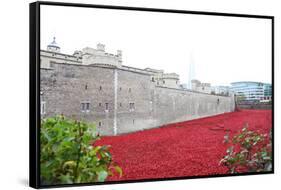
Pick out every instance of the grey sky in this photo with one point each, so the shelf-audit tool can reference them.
(223, 49)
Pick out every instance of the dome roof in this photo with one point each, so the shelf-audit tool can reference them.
(54, 43)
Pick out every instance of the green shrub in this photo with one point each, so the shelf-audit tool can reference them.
(68, 156)
(250, 151)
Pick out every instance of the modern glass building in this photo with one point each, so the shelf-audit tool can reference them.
(252, 91)
(267, 89)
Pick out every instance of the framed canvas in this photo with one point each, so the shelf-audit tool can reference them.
(130, 94)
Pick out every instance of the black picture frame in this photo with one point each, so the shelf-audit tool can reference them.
(34, 87)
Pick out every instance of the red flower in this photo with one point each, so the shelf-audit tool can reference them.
(188, 148)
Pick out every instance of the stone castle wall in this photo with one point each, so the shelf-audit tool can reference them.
(134, 101)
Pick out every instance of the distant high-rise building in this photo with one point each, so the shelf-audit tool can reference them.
(191, 72)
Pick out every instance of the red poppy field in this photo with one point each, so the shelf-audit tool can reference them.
(188, 148)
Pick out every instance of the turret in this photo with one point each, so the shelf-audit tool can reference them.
(100, 47)
(53, 46)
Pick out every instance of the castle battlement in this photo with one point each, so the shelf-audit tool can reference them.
(92, 56)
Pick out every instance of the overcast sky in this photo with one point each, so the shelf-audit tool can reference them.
(222, 49)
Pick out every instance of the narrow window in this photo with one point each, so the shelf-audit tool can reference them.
(163, 82)
(100, 87)
(106, 106)
(85, 106)
(100, 104)
(152, 79)
(120, 88)
(133, 121)
(99, 124)
(86, 86)
(130, 89)
(120, 104)
(43, 108)
(132, 106)
(82, 107)
(51, 64)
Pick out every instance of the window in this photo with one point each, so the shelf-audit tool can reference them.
(120, 88)
(100, 104)
(130, 89)
(100, 87)
(132, 106)
(120, 104)
(99, 124)
(163, 82)
(86, 86)
(152, 79)
(85, 106)
(43, 108)
(106, 107)
(52, 63)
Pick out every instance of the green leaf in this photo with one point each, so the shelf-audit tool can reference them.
(65, 144)
(119, 170)
(102, 175)
(66, 179)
